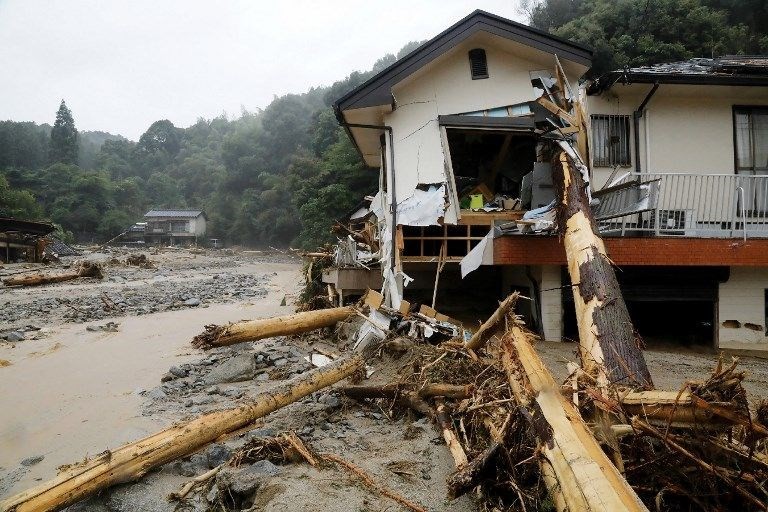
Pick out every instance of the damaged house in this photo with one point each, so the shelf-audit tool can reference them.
(676, 157)
(172, 227)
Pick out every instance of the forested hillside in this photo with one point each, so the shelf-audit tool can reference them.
(272, 177)
(281, 175)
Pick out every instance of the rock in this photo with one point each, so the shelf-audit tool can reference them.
(202, 400)
(194, 301)
(262, 377)
(236, 369)
(31, 461)
(196, 465)
(238, 481)
(213, 495)
(280, 362)
(167, 377)
(15, 336)
(232, 392)
(157, 394)
(259, 433)
(178, 372)
(332, 402)
(217, 454)
(264, 467)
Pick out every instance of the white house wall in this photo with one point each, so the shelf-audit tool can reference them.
(689, 128)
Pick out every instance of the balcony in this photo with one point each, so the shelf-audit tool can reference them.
(685, 205)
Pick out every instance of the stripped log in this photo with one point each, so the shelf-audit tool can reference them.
(454, 446)
(133, 460)
(610, 349)
(490, 326)
(85, 269)
(252, 330)
(578, 474)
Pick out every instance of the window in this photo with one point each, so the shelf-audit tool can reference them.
(478, 64)
(610, 141)
(179, 226)
(751, 139)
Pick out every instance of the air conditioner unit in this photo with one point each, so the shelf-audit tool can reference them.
(677, 222)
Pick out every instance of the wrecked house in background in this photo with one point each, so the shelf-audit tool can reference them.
(23, 240)
(459, 131)
(173, 227)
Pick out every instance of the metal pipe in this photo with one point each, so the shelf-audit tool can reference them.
(636, 115)
(393, 206)
(743, 212)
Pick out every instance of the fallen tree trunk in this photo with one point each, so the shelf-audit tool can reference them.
(133, 460)
(86, 269)
(252, 330)
(486, 330)
(392, 391)
(578, 474)
(610, 349)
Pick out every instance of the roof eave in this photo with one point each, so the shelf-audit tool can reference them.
(608, 80)
(475, 22)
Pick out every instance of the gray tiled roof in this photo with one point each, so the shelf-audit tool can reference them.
(184, 214)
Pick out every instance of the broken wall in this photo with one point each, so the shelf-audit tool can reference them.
(445, 87)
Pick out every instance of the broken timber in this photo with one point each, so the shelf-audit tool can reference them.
(486, 330)
(252, 330)
(610, 349)
(133, 460)
(577, 473)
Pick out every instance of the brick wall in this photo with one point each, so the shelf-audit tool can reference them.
(548, 250)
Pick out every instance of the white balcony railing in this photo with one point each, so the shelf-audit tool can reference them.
(694, 205)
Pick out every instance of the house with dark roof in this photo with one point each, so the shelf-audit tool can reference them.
(174, 227)
(676, 156)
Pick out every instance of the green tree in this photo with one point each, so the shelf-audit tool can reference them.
(64, 146)
(17, 203)
(628, 33)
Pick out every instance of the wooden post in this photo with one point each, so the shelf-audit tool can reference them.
(133, 460)
(610, 349)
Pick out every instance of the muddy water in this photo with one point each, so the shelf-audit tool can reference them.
(77, 392)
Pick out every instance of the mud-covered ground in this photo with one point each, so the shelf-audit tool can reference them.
(75, 386)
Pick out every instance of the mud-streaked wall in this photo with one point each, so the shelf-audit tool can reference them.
(741, 308)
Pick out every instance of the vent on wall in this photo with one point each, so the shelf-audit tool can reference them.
(478, 64)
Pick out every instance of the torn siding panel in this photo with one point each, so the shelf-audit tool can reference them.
(423, 208)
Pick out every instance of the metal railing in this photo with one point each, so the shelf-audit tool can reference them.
(693, 205)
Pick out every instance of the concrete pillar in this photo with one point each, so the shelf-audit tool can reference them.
(551, 302)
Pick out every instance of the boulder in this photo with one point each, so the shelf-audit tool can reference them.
(235, 369)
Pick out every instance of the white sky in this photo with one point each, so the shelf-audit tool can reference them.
(123, 64)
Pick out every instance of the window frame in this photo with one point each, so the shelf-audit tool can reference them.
(610, 160)
(736, 167)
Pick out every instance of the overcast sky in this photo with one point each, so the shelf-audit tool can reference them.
(123, 64)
